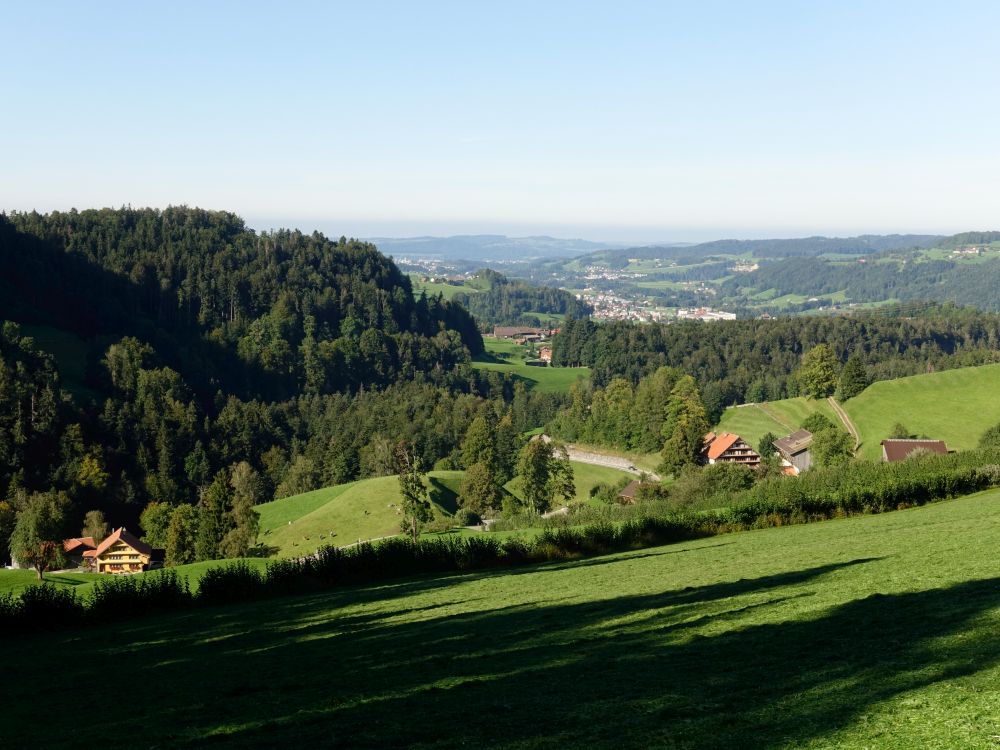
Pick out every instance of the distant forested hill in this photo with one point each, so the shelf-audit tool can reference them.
(877, 279)
(509, 301)
(267, 313)
(779, 248)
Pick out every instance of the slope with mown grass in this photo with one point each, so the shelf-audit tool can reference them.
(369, 509)
(506, 356)
(878, 632)
(956, 406)
(753, 421)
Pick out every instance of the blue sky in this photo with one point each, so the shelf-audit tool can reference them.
(611, 121)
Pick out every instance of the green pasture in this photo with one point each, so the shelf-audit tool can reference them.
(956, 406)
(82, 583)
(880, 632)
(753, 421)
(505, 356)
(342, 515)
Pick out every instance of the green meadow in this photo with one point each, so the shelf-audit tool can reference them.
(753, 421)
(15, 581)
(368, 509)
(956, 406)
(878, 632)
(506, 356)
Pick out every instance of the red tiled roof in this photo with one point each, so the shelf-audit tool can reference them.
(721, 444)
(899, 450)
(73, 545)
(123, 535)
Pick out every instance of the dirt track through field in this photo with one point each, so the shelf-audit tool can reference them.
(839, 411)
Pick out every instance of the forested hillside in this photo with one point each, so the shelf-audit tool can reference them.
(754, 360)
(210, 346)
(510, 302)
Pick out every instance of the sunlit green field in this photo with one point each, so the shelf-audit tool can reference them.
(956, 406)
(506, 356)
(877, 632)
(752, 421)
(82, 583)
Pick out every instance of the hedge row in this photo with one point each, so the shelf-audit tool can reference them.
(864, 488)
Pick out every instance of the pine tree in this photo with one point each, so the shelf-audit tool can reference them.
(853, 378)
(685, 426)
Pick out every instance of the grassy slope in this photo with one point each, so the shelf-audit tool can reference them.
(361, 510)
(877, 632)
(779, 417)
(16, 580)
(585, 476)
(512, 360)
(955, 406)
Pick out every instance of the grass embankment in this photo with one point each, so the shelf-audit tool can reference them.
(15, 581)
(956, 406)
(506, 356)
(368, 509)
(876, 632)
(752, 421)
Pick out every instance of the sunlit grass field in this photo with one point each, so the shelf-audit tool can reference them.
(876, 632)
(956, 406)
(752, 421)
(506, 356)
(17, 580)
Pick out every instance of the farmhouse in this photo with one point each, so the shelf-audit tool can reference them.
(794, 451)
(727, 447)
(120, 553)
(76, 549)
(520, 332)
(545, 354)
(900, 450)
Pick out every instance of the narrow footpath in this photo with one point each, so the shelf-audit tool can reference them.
(839, 411)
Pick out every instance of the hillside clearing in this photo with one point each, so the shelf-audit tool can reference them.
(878, 632)
(506, 356)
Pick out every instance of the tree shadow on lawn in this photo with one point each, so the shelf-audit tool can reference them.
(682, 668)
(632, 671)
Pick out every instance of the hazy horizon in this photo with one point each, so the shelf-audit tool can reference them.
(637, 123)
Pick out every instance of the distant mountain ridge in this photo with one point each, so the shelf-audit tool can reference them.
(773, 248)
(479, 247)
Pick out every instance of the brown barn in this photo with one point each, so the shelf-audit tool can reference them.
(900, 450)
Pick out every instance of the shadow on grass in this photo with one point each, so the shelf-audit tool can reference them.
(731, 664)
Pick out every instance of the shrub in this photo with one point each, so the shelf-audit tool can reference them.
(235, 581)
(122, 596)
(466, 517)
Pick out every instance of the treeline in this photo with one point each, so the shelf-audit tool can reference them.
(755, 360)
(510, 302)
(263, 315)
